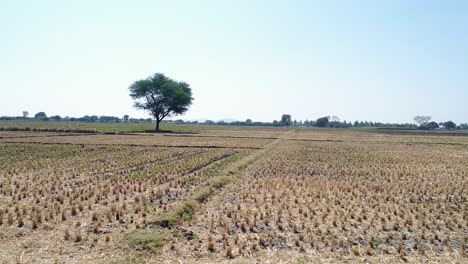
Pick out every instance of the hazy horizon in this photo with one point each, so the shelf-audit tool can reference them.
(383, 61)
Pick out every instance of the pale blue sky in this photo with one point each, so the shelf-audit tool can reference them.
(367, 60)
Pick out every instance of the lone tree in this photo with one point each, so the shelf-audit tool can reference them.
(40, 115)
(422, 119)
(161, 96)
(323, 121)
(285, 120)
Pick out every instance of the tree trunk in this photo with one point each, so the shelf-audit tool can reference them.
(157, 124)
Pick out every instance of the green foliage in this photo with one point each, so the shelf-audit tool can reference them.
(300, 260)
(203, 194)
(449, 125)
(40, 115)
(56, 118)
(285, 120)
(323, 121)
(181, 212)
(161, 96)
(220, 181)
(429, 126)
(215, 183)
(151, 239)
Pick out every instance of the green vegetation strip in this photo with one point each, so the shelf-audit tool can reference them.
(148, 239)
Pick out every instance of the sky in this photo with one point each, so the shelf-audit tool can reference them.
(359, 60)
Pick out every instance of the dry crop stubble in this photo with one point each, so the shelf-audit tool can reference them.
(332, 199)
(306, 195)
(86, 197)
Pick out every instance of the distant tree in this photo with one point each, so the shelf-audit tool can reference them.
(109, 119)
(422, 119)
(285, 120)
(55, 118)
(161, 96)
(25, 114)
(323, 121)
(449, 125)
(429, 126)
(335, 119)
(40, 115)
(125, 118)
(248, 121)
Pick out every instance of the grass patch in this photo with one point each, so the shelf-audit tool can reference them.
(215, 183)
(181, 212)
(203, 194)
(219, 182)
(148, 240)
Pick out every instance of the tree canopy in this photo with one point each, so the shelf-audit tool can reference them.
(40, 115)
(449, 125)
(285, 120)
(161, 96)
(323, 121)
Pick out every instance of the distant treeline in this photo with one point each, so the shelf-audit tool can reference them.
(285, 121)
(41, 116)
(334, 122)
(313, 123)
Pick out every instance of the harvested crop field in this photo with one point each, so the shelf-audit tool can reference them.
(237, 195)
